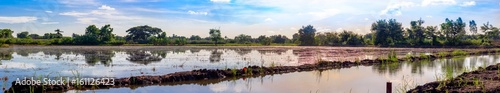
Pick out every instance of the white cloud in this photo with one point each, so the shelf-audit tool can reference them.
(339, 29)
(271, 32)
(221, 1)
(324, 14)
(366, 19)
(105, 7)
(395, 9)
(49, 23)
(429, 16)
(20, 19)
(48, 11)
(73, 13)
(78, 2)
(438, 2)
(470, 3)
(197, 13)
(268, 20)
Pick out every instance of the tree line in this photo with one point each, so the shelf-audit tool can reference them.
(383, 33)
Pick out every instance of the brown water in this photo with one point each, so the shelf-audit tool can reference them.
(119, 62)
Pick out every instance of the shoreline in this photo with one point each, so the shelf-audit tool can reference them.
(217, 74)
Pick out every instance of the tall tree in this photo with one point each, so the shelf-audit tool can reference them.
(473, 27)
(23, 34)
(417, 32)
(6, 33)
(387, 33)
(430, 32)
(141, 33)
(106, 33)
(215, 35)
(307, 34)
(243, 39)
(58, 33)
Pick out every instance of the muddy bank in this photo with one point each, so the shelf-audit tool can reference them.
(485, 80)
(216, 74)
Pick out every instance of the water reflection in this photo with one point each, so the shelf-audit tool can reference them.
(102, 56)
(215, 56)
(143, 57)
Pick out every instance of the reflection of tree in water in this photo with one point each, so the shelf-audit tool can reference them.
(454, 65)
(418, 66)
(279, 51)
(215, 56)
(390, 68)
(194, 51)
(103, 56)
(6, 54)
(161, 53)
(242, 51)
(56, 53)
(143, 57)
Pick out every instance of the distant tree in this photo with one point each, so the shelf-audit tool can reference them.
(195, 37)
(307, 34)
(106, 33)
(215, 35)
(6, 33)
(140, 34)
(34, 36)
(473, 27)
(264, 40)
(430, 32)
(58, 33)
(279, 39)
(23, 34)
(387, 33)
(453, 31)
(243, 39)
(416, 32)
(295, 38)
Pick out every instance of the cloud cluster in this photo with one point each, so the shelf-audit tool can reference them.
(19, 19)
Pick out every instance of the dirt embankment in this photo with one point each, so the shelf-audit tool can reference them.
(485, 80)
(217, 74)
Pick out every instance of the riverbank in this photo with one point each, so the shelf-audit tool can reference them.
(210, 74)
(485, 80)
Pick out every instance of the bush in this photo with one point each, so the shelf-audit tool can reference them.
(116, 42)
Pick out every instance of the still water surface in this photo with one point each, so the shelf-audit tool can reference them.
(126, 62)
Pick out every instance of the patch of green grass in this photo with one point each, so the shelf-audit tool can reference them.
(459, 53)
(424, 56)
(234, 71)
(391, 57)
(442, 54)
(408, 56)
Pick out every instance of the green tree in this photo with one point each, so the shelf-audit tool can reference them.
(473, 27)
(430, 32)
(34, 36)
(264, 40)
(140, 34)
(6, 33)
(243, 39)
(279, 39)
(106, 33)
(387, 33)
(195, 37)
(23, 34)
(453, 31)
(215, 35)
(416, 33)
(58, 33)
(306, 35)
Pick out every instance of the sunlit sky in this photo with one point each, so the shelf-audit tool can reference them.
(233, 17)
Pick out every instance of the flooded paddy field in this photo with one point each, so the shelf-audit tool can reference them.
(126, 61)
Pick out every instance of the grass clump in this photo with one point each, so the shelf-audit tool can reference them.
(391, 57)
(424, 56)
(442, 54)
(459, 53)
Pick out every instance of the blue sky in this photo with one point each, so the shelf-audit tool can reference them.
(233, 17)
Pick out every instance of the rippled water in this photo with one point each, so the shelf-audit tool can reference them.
(121, 62)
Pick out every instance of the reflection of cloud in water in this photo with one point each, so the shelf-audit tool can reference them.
(219, 87)
(18, 65)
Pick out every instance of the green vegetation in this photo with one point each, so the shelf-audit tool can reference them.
(384, 33)
(459, 53)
